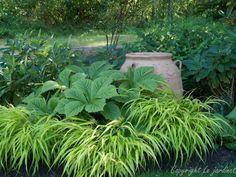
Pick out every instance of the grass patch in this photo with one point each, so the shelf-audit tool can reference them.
(1, 43)
(90, 39)
(77, 37)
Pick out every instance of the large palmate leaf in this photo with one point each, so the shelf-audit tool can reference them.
(111, 111)
(65, 80)
(41, 107)
(126, 95)
(88, 95)
(143, 78)
(99, 69)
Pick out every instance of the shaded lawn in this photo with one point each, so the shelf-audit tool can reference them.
(90, 39)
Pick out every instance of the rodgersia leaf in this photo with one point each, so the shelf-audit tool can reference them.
(73, 108)
(111, 111)
(37, 105)
(142, 77)
(64, 77)
(88, 95)
(49, 85)
(97, 68)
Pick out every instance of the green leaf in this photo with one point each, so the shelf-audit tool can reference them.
(75, 69)
(52, 104)
(111, 111)
(95, 105)
(127, 95)
(92, 95)
(231, 146)
(115, 75)
(101, 88)
(220, 68)
(232, 115)
(202, 74)
(97, 68)
(38, 106)
(61, 106)
(143, 78)
(49, 85)
(77, 77)
(64, 77)
(73, 108)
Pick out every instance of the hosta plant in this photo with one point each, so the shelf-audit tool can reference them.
(188, 124)
(23, 140)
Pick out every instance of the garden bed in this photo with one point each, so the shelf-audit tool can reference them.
(220, 159)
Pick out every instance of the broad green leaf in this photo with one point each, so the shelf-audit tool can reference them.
(115, 75)
(49, 85)
(202, 74)
(232, 115)
(97, 68)
(111, 111)
(75, 69)
(64, 77)
(73, 108)
(77, 77)
(29, 97)
(101, 88)
(52, 103)
(38, 105)
(61, 106)
(127, 95)
(142, 77)
(91, 94)
(95, 105)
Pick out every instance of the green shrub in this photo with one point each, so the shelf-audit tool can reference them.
(214, 68)
(188, 124)
(24, 141)
(183, 38)
(27, 61)
(97, 89)
(113, 149)
(206, 48)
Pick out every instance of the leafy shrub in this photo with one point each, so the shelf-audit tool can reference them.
(27, 61)
(183, 38)
(214, 67)
(24, 142)
(96, 89)
(113, 149)
(206, 49)
(187, 124)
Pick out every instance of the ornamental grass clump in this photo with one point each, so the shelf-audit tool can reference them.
(112, 149)
(23, 140)
(188, 124)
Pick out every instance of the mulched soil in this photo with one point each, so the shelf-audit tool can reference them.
(219, 159)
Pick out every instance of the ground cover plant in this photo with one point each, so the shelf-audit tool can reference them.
(23, 140)
(188, 129)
